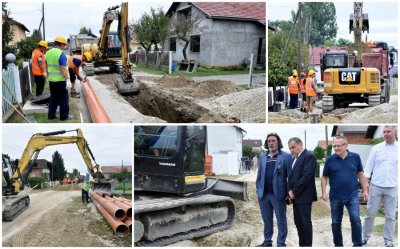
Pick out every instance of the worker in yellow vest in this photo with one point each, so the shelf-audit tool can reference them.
(58, 76)
(85, 191)
(293, 89)
(39, 68)
(303, 92)
(74, 63)
(311, 91)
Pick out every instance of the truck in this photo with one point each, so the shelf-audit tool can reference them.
(173, 199)
(359, 76)
(76, 41)
(15, 174)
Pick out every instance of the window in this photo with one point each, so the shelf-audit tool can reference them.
(195, 43)
(172, 44)
(158, 141)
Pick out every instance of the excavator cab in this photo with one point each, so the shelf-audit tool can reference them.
(170, 159)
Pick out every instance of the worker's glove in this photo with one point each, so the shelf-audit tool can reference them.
(45, 75)
(85, 79)
(80, 78)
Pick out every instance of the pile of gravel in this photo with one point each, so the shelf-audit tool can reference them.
(383, 113)
(248, 106)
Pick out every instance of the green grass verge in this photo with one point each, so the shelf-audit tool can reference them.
(201, 71)
(128, 186)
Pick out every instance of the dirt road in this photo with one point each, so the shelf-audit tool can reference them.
(59, 219)
(248, 227)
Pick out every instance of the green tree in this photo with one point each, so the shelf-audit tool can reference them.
(151, 29)
(323, 25)
(25, 47)
(329, 43)
(247, 150)
(329, 150)
(319, 152)
(75, 172)
(7, 34)
(84, 30)
(184, 26)
(58, 166)
(343, 42)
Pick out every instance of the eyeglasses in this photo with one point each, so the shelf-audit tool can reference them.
(339, 145)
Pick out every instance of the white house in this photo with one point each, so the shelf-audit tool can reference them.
(224, 144)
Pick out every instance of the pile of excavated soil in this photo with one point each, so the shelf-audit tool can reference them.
(201, 90)
(67, 187)
(107, 79)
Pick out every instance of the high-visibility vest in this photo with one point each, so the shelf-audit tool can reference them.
(293, 83)
(86, 186)
(309, 89)
(303, 85)
(71, 61)
(53, 67)
(36, 70)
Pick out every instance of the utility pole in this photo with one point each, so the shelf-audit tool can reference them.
(44, 32)
(290, 35)
(326, 139)
(299, 31)
(305, 139)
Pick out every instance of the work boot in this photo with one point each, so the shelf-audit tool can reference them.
(389, 244)
(265, 244)
(364, 242)
(75, 95)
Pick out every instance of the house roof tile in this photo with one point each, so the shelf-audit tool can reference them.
(234, 10)
(115, 169)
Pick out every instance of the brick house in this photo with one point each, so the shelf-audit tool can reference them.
(108, 170)
(41, 168)
(228, 32)
(256, 144)
(357, 134)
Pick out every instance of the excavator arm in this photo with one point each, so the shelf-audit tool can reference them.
(40, 141)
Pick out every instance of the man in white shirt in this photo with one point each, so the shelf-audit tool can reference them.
(381, 168)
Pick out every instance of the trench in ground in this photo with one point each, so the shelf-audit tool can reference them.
(152, 101)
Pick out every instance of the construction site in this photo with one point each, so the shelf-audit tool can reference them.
(351, 81)
(113, 87)
(40, 208)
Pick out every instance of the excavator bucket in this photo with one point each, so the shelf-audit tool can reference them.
(127, 85)
(103, 186)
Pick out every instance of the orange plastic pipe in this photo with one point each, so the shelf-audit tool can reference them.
(121, 204)
(128, 222)
(96, 110)
(120, 228)
(111, 208)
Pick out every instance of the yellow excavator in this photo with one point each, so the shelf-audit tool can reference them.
(15, 175)
(112, 48)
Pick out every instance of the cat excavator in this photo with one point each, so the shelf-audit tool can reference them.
(112, 48)
(15, 175)
(174, 200)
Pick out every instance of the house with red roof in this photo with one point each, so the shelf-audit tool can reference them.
(228, 32)
(108, 170)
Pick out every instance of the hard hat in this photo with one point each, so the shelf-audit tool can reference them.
(294, 71)
(295, 74)
(88, 56)
(311, 72)
(61, 39)
(303, 74)
(43, 44)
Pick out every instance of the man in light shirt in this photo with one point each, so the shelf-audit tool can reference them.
(381, 168)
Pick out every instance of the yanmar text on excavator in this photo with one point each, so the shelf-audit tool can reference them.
(174, 200)
(15, 175)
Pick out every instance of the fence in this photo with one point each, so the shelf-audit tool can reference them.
(393, 84)
(15, 82)
(155, 59)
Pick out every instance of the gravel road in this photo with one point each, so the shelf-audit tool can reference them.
(59, 219)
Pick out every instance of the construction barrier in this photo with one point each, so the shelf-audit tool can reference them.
(96, 110)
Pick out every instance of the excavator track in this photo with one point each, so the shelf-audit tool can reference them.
(14, 205)
(163, 221)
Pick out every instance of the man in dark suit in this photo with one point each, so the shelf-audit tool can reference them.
(302, 190)
(271, 187)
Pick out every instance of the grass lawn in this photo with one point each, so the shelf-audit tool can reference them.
(128, 186)
(201, 71)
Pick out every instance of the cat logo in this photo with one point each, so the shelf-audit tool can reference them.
(348, 76)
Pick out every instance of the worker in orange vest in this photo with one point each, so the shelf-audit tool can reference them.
(39, 68)
(303, 92)
(74, 63)
(311, 91)
(293, 89)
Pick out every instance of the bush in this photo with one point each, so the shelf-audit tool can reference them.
(35, 180)
(229, 68)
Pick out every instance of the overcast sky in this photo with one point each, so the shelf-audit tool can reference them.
(287, 131)
(67, 17)
(383, 18)
(111, 145)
